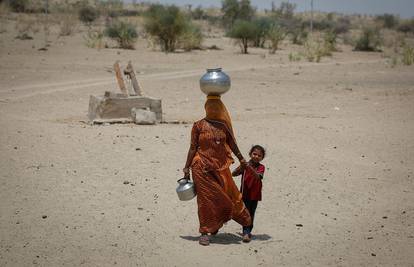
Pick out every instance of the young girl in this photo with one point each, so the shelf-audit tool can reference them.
(251, 184)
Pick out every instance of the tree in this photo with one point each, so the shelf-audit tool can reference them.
(246, 11)
(244, 32)
(387, 20)
(166, 24)
(285, 10)
(231, 10)
(262, 27)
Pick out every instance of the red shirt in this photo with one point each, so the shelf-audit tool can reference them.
(251, 186)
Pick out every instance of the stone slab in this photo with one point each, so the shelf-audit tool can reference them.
(114, 107)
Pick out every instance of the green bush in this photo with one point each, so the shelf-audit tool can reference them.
(330, 41)
(166, 24)
(88, 14)
(370, 40)
(275, 35)
(244, 32)
(123, 32)
(231, 10)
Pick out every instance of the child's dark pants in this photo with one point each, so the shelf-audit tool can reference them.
(251, 206)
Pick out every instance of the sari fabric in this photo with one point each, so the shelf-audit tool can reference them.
(218, 198)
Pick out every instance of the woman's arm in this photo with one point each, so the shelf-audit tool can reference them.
(191, 151)
(235, 149)
(190, 155)
(237, 171)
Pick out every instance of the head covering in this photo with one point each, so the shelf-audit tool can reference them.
(216, 111)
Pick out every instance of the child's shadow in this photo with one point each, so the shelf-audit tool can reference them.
(228, 238)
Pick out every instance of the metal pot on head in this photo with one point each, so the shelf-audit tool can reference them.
(215, 82)
(185, 189)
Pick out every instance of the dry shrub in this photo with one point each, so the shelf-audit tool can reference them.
(408, 55)
(26, 26)
(191, 38)
(369, 40)
(293, 57)
(275, 35)
(67, 24)
(315, 48)
(94, 39)
(4, 11)
(123, 32)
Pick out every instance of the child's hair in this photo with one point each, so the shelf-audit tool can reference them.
(258, 147)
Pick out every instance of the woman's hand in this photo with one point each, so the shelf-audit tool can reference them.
(186, 172)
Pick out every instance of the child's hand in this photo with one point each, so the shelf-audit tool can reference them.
(243, 163)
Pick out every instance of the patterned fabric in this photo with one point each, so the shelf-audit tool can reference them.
(218, 198)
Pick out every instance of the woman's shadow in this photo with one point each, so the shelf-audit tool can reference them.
(228, 238)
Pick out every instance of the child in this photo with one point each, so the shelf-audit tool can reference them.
(251, 184)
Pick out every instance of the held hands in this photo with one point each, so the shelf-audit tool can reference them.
(243, 163)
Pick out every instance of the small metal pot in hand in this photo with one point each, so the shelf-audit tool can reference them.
(185, 189)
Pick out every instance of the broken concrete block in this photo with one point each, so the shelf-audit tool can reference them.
(143, 116)
(114, 107)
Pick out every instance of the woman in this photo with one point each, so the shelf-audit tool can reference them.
(209, 156)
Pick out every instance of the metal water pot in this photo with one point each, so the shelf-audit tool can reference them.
(185, 189)
(214, 82)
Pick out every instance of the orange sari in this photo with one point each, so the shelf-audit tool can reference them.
(218, 198)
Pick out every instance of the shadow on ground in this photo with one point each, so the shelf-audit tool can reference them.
(228, 238)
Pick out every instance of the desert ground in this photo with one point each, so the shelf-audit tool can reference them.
(339, 181)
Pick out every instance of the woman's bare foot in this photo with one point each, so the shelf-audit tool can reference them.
(204, 240)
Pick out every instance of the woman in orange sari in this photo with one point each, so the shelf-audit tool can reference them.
(209, 157)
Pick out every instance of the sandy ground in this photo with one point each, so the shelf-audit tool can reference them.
(338, 188)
